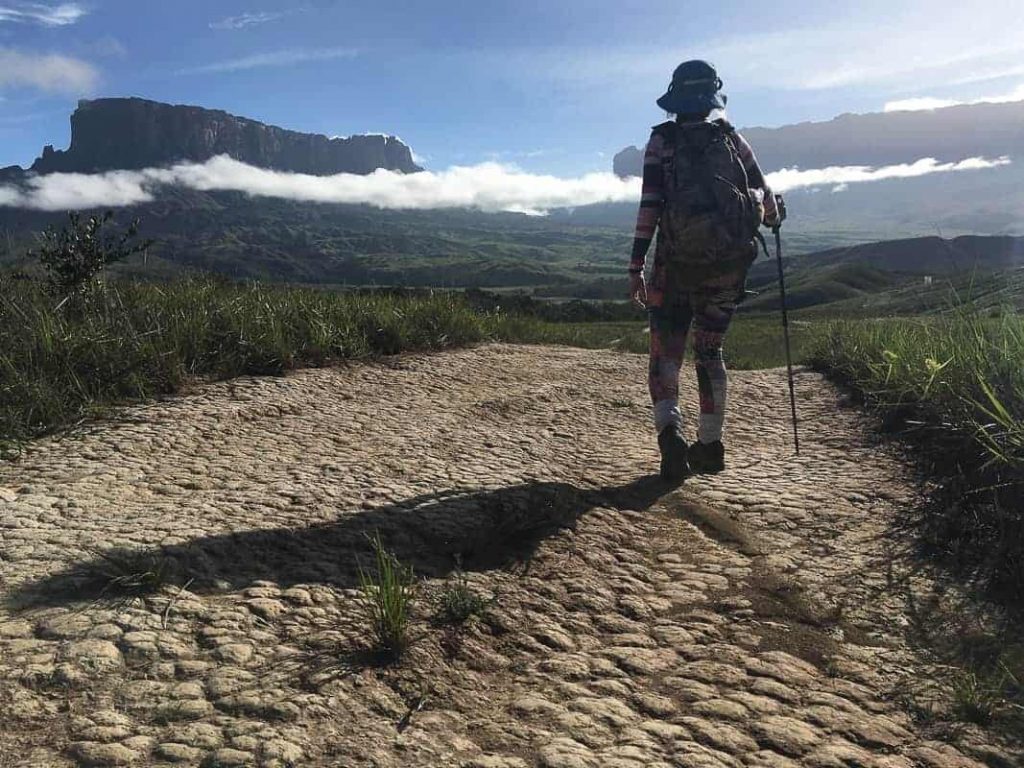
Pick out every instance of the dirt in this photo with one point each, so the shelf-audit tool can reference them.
(760, 617)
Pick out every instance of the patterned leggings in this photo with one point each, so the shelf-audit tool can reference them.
(709, 310)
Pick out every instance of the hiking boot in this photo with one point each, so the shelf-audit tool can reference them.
(674, 467)
(707, 458)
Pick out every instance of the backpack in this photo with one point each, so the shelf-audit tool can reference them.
(709, 224)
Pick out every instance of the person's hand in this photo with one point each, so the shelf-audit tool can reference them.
(638, 289)
(777, 215)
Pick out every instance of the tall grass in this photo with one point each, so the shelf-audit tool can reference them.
(62, 362)
(956, 384)
(132, 341)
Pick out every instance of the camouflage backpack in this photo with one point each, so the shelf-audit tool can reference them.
(709, 225)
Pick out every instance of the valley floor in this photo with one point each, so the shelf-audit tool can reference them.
(763, 617)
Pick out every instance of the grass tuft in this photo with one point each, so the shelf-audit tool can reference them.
(131, 573)
(457, 602)
(981, 699)
(388, 592)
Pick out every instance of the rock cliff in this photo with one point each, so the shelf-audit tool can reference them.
(629, 162)
(115, 134)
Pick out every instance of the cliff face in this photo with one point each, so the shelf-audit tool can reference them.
(126, 134)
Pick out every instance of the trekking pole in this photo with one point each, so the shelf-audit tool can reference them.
(777, 231)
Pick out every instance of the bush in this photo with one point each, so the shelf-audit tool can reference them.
(75, 254)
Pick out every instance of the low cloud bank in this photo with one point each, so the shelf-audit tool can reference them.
(793, 178)
(487, 187)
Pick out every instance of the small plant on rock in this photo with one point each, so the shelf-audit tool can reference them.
(978, 699)
(457, 602)
(388, 592)
(133, 573)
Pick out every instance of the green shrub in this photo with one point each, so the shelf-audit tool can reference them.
(73, 255)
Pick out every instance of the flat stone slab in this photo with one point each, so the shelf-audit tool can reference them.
(619, 623)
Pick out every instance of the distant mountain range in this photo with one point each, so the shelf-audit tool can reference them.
(888, 138)
(128, 134)
(984, 201)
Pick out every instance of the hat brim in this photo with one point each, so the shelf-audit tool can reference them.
(679, 103)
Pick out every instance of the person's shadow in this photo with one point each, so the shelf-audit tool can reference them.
(434, 534)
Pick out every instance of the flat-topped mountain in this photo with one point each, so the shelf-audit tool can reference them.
(126, 134)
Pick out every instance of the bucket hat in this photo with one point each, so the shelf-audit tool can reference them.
(695, 87)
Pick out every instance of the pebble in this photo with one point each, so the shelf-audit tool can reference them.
(91, 753)
(230, 758)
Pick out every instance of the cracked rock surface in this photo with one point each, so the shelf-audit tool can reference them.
(181, 582)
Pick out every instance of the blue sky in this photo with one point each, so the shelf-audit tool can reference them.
(549, 86)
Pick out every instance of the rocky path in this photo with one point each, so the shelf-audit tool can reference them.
(757, 618)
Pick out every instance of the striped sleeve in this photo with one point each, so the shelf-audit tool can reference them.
(755, 175)
(652, 201)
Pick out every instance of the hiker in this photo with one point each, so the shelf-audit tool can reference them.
(705, 195)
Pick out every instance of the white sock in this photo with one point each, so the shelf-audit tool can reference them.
(667, 413)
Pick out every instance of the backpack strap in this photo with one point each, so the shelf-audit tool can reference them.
(731, 136)
(668, 131)
(725, 125)
(764, 246)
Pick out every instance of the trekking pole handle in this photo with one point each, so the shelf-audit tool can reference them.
(780, 206)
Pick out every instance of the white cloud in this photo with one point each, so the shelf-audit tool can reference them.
(245, 20)
(927, 102)
(69, 191)
(486, 187)
(282, 58)
(793, 178)
(919, 104)
(38, 13)
(48, 72)
(11, 198)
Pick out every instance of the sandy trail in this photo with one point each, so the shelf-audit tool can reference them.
(757, 618)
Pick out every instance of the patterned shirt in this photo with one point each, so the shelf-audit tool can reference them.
(652, 199)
